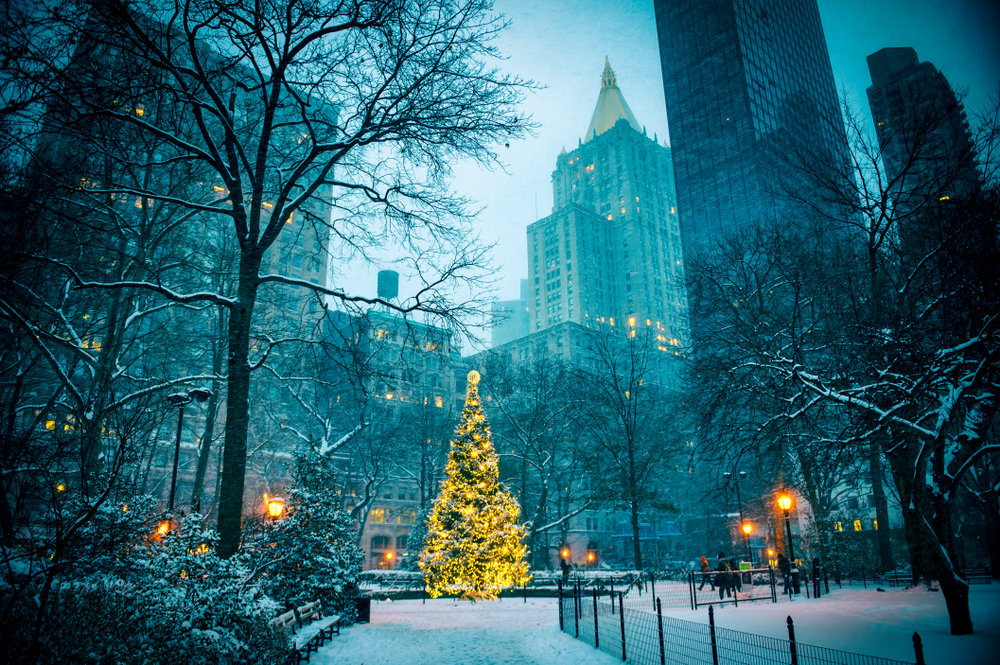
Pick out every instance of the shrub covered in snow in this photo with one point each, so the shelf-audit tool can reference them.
(311, 553)
(141, 600)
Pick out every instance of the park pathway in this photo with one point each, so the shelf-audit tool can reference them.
(441, 632)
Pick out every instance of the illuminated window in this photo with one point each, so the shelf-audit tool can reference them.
(438, 401)
(857, 525)
(875, 524)
(377, 517)
(839, 526)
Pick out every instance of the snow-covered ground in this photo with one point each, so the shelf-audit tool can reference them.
(498, 633)
(874, 623)
(449, 631)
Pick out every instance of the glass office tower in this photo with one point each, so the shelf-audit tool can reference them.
(746, 83)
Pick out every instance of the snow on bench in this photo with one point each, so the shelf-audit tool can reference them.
(314, 630)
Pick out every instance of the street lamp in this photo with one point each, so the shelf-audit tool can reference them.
(747, 530)
(785, 501)
(180, 400)
(275, 507)
(739, 502)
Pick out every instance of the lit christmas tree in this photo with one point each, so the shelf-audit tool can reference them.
(474, 543)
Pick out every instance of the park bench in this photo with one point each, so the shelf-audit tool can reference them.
(897, 578)
(977, 576)
(313, 630)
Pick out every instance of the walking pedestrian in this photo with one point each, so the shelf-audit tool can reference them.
(724, 580)
(706, 574)
(785, 566)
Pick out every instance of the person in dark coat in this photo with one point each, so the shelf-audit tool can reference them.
(724, 579)
(785, 566)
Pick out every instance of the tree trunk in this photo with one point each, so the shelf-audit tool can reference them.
(636, 544)
(213, 407)
(205, 450)
(234, 456)
(881, 506)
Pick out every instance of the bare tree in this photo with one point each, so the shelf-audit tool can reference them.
(538, 442)
(625, 410)
(342, 116)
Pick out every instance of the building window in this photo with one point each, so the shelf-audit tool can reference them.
(377, 516)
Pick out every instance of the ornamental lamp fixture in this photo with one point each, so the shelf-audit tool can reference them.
(747, 528)
(785, 502)
(565, 553)
(388, 556)
(275, 507)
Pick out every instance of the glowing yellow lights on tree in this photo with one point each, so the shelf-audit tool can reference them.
(475, 543)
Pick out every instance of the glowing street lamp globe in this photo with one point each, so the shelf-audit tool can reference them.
(748, 528)
(785, 501)
(275, 507)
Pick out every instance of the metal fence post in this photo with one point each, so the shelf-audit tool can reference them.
(576, 607)
(711, 632)
(524, 590)
(659, 624)
(559, 583)
(774, 585)
(597, 633)
(621, 617)
(691, 588)
(612, 595)
(826, 580)
(791, 642)
(652, 583)
(918, 648)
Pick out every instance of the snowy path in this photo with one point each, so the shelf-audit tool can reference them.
(443, 632)
(508, 632)
(874, 623)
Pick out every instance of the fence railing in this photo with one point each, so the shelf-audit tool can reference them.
(644, 637)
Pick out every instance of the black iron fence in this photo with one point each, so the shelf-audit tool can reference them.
(644, 637)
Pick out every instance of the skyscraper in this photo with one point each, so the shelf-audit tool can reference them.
(921, 127)
(610, 252)
(743, 82)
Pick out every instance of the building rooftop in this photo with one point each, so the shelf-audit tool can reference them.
(611, 106)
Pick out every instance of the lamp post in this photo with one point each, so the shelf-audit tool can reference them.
(747, 530)
(739, 501)
(785, 501)
(180, 400)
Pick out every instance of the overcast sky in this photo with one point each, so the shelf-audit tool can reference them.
(561, 44)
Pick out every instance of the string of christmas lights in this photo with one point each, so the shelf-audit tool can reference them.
(475, 542)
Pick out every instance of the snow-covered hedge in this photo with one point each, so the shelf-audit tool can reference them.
(311, 554)
(173, 601)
